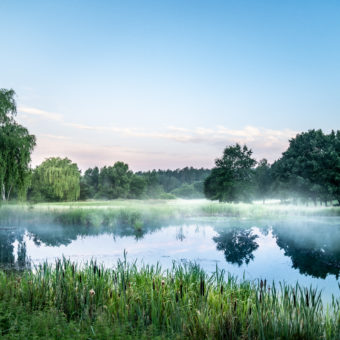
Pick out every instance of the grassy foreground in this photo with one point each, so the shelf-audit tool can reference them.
(68, 302)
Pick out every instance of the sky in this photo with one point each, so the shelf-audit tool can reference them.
(169, 84)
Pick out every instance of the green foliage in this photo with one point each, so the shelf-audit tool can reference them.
(111, 182)
(194, 190)
(137, 186)
(8, 106)
(16, 146)
(231, 179)
(55, 179)
(310, 167)
(66, 301)
(114, 181)
(262, 180)
(89, 183)
(184, 183)
(118, 181)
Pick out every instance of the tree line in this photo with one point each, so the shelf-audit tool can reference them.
(308, 171)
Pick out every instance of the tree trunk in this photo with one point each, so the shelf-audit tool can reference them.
(3, 194)
(9, 192)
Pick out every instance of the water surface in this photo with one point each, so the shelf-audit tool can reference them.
(304, 250)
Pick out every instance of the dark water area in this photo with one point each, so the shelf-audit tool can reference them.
(304, 250)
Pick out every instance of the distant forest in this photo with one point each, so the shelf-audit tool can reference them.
(118, 181)
(308, 171)
(111, 182)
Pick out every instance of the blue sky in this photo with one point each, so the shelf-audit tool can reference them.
(165, 84)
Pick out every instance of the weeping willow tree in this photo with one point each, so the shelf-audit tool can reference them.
(56, 179)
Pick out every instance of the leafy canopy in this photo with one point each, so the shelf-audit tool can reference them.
(56, 179)
(230, 180)
(16, 146)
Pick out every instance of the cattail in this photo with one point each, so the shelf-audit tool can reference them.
(221, 289)
(176, 297)
(261, 284)
(235, 306)
(99, 272)
(111, 294)
(294, 298)
(202, 287)
(79, 278)
(153, 284)
(181, 290)
(313, 299)
(250, 310)
(261, 296)
(265, 283)
(307, 299)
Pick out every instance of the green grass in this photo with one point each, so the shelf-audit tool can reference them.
(141, 214)
(68, 302)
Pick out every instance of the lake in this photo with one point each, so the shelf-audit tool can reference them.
(290, 249)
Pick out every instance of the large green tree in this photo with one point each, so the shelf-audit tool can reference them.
(310, 167)
(56, 179)
(16, 146)
(114, 181)
(231, 179)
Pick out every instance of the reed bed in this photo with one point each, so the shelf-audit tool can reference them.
(66, 301)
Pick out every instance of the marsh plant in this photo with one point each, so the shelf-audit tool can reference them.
(68, 301)
(141, 214)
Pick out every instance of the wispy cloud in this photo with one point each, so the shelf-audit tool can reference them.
(266, 143)
(41, 113)
(217, 135)
(89, 155)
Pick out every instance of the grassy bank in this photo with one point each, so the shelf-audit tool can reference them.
(68, 302)
(139, 214)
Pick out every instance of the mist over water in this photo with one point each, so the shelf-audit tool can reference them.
(290, 249)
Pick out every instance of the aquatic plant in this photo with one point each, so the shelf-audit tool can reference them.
(145, 301)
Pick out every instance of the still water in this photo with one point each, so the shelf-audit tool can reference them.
(304, 250)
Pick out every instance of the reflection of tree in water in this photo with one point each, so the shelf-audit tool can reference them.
(180, 234)
(54, 235)
(8, 259)
(314, 250)
(237, 244)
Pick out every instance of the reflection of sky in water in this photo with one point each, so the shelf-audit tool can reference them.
(188, 242)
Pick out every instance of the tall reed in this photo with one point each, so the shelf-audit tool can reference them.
(145, 301)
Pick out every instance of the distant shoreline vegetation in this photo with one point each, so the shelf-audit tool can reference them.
(141, 215)
(307, 172)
